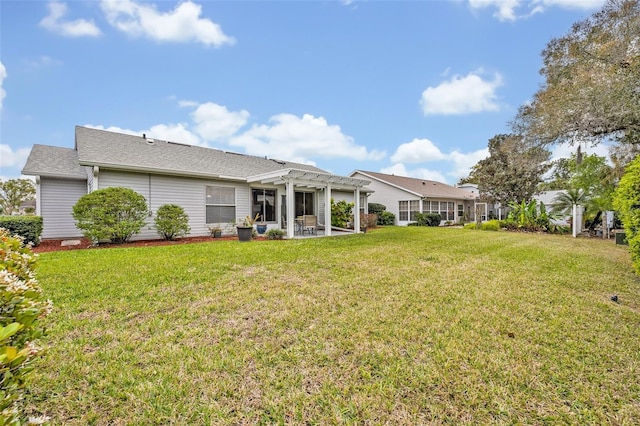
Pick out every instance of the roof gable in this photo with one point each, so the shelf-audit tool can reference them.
(421, 187)
(54, 161)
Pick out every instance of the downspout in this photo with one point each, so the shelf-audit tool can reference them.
(38, 197)
(96, 173)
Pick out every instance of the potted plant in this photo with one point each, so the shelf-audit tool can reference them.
(245, 227)
(261, 227)
(215, 232)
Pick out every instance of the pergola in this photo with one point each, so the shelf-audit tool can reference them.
(297, 178)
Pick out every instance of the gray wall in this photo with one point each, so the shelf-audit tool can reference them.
(189, 193)
(57, 198)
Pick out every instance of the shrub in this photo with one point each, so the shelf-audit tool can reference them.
(341, 213)
(28, 227)
(627, 201)
(171, 221)
(377, 208)
(428, 219)
(491, 225)
(470, 225)
(386, 218)
(114, 214)
(22, 307)
(274, 234)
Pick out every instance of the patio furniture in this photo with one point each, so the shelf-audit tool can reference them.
(310, 224)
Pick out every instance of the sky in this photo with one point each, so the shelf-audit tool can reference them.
(413, 88)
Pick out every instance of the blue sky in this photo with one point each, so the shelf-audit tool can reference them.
(412, 88)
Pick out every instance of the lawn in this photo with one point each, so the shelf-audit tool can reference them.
(396, 326)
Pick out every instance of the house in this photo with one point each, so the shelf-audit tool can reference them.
(405, 196)
(214, 187)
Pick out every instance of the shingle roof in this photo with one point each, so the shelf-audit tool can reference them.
(425, 188)
(54, 161)
(116, 150)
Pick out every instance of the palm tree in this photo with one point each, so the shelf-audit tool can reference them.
(564, 201)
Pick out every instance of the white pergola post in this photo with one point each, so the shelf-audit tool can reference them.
(327, 210)
(290, 210)
(356, 214)
(577, 220)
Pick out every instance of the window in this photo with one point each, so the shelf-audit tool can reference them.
(403, 210)
(444, 208)
(460, 210)
(363, 203)
(304, 203)
(264, 204)
(414, 207)
(407, 210)
(220, 204)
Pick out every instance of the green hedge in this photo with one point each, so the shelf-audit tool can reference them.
(28, 227)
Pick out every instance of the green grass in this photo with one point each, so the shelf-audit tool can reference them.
(397, 326)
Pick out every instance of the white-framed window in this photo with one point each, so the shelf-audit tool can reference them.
(444, 208)
(264, 204)
(403, 210)
(414, 207)
(407, 210)
(220, 204)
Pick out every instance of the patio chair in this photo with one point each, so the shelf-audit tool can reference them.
(310, 224)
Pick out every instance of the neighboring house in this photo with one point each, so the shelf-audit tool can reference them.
(486, 210)
(405, 196)
(27, 207)
(214, 187)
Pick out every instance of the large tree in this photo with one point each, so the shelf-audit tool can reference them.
(512, 171)
(591, 86)
(14, 192)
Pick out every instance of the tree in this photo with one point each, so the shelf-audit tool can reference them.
(512, 171)
(592, 81)
(564, 201)
(14, 192)
(114, 214)
(627, 202)
(171, 221)
(621, 155)
(593, 175)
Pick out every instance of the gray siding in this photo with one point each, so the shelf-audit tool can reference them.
(189, 193)
(388, 196)
(57, 198)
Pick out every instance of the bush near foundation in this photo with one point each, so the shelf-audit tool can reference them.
(114, 214)
(171, 222)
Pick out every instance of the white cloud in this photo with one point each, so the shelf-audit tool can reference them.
(183, 24)
(78, 28)
(462, 95)
(399, 169)
(172, 132)
(3, 75)
(215, 122)
(506, 8)
(11, 158)
(423, 150)
(417, 151)
(462, 163)
(289, 137)
(187, 104)
(511, 10)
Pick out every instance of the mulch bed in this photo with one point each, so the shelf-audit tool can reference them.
(56, 245)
